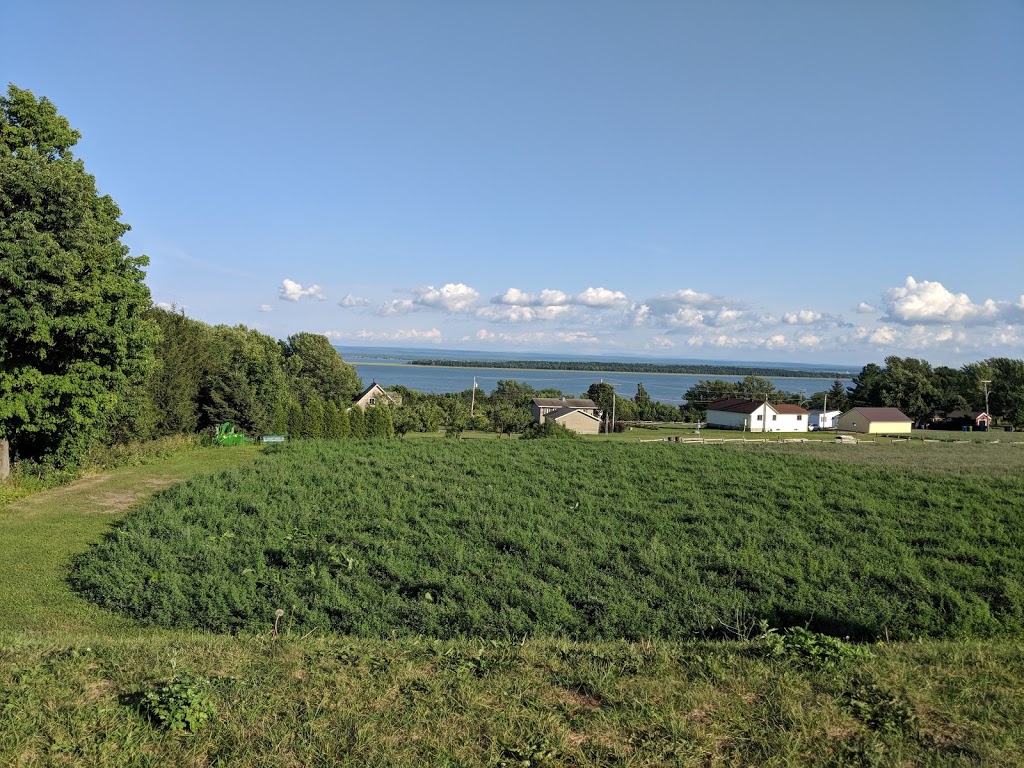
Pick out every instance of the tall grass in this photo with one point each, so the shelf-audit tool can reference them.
(577, 539)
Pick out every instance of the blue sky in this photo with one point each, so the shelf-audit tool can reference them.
(798, 181)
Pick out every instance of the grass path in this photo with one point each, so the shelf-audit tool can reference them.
(42, 532)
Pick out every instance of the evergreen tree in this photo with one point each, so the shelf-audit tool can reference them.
(294, 420)
(313, 417)
(357, 422)
(379, 422)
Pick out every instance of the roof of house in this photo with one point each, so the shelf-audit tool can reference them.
(881, 414)
(370, 389)
(788, 408)
(738, 405)
(563, 412)
(966, 414)
(562, 402)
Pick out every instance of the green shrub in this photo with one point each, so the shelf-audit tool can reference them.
(180, 704)
(548, 429)
(808, 649)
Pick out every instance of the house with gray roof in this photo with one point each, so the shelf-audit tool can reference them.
(578, 414)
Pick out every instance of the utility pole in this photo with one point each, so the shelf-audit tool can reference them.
(612, 425)
(472, 399)
(985, 383)
(764, 424)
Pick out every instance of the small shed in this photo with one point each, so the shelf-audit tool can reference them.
(875, 421)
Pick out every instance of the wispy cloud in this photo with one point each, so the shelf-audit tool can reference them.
(432, 335)
(354, 301)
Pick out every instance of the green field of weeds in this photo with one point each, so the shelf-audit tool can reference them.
(82, 686)
(576, 539)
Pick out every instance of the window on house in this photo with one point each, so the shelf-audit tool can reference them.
(799, 417)
(760, 417)
(774, 417)
(373, 401)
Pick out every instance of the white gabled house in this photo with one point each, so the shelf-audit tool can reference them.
(752, 416)
(819, 419)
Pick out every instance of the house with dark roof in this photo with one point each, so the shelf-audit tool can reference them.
(974, 419)
(754, 416)
(875, 421)
(375, 394)
(578, 414)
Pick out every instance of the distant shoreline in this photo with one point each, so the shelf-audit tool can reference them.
(616, 367)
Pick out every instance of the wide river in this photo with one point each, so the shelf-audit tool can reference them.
(664, 387)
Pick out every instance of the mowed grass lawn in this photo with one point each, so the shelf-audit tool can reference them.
(72, 675)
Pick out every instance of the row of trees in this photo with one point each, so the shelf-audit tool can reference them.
(927, 394)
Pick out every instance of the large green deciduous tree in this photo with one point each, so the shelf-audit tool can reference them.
(1007, 389)
(321, 370)
(74, 336)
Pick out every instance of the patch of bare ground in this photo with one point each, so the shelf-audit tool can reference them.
(99, 501)
(113, 502)
(104, 689)
(572, 698)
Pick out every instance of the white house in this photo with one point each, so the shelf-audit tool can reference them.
(819, 419)
(752, 416)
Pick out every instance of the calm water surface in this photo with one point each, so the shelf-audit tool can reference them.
(664, 387)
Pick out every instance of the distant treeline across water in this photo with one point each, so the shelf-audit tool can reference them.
(617, 367)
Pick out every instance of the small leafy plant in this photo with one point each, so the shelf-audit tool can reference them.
(181, 704)
(809, 649)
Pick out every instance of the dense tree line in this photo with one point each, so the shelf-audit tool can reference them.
(205, 375)
(928, 394)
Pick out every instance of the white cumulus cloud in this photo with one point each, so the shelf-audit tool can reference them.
(548, 297)
(292, 291)
(930, 302)
(803, 317)
(450, 297)
(601, 298)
